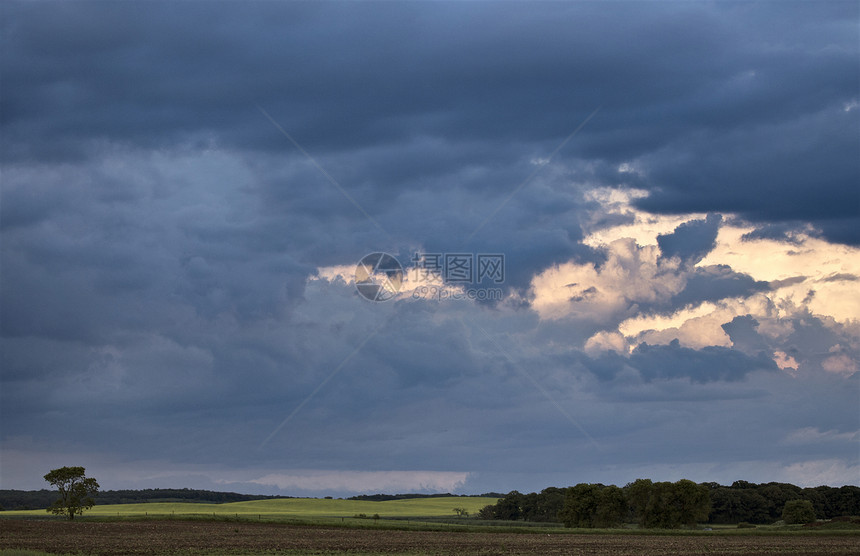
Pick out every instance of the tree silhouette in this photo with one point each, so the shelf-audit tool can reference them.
(75, 489)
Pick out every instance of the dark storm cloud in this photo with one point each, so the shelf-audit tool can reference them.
(715, 282)
(705, 365)
(692, 240)
(689, 93)
(161, 235)
(784, 231)
(606, 366)
(744, 336)
(673, 361)
(806, 170)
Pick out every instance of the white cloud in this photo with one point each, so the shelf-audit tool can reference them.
(694, 327)
(606, 341)
(839, 364)
(784, 361)
(820, 262)
(810, 277)
(608, 292)
(645, 226)
(345, 272)
(812, 473)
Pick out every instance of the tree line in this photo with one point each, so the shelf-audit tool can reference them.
(764, 503)
(39, 499)
(671, 505)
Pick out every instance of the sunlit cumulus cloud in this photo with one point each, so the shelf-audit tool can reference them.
(697, 282)
(637, 293)
(611, 291)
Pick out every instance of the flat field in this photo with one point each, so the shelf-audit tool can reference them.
(442, 506)
(219, 537)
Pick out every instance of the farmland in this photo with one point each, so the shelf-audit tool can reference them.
(419, 526)
(222, 537)
(291, 508)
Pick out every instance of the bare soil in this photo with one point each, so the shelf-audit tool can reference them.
(207, 537)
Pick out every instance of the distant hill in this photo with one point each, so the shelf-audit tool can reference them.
(38, 499)
(386, 497)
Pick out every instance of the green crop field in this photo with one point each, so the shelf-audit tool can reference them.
(291, 507)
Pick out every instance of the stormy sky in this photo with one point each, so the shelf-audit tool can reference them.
(673, 190)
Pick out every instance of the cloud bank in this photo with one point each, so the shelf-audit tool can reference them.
(186, 192)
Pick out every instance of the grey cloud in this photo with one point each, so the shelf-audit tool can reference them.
(159, 231)
(716, 282)
(490, 99)
(704, 365)
(742, 331)
(841, 277)
(785, 232)
(776, 284)
(673, 361)
(692, 240)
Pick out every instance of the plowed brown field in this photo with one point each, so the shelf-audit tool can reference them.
(203, 537)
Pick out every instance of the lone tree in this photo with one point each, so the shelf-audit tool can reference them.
(76, 491)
